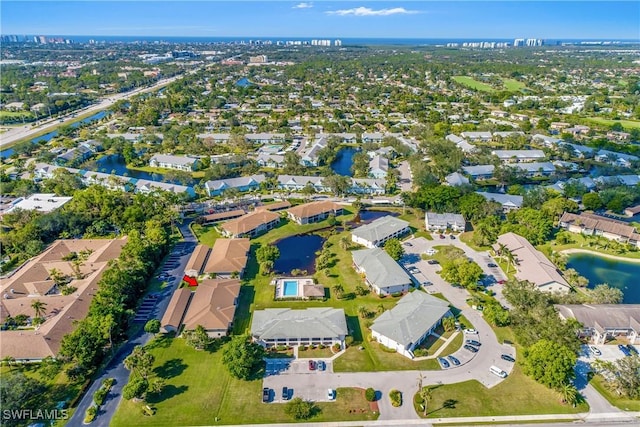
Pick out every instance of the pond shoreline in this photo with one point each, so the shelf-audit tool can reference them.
(600, 254)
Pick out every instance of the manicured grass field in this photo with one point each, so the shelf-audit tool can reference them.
(513, 85)
(623, 403)
(627, 124)
(473, 84)
(8, 114)
(517, 395)
(199, 391)
(586, 243)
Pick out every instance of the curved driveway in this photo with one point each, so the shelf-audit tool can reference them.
(313, 385)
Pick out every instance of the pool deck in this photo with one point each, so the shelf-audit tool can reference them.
(304, 284)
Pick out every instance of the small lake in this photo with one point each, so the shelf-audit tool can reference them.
(114, 163)
(622, 275)
(298, 252)
(365, 217)
(344, 160)
(48, 136)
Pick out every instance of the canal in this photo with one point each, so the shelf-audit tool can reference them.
(48, 136)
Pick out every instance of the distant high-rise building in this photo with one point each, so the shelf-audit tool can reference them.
(337, 42)
(518, 42)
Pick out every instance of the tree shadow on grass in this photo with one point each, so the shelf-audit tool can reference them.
(447, 404)
(171, 368)
(353, 324)
(168, 392)
(161, 341)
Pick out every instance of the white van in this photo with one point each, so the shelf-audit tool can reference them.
(497, 371)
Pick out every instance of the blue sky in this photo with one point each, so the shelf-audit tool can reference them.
(398, 19)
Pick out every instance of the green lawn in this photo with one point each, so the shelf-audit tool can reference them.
(207, 235)
(587, 243)
(627, 124)
(623, 403)
(473, 84)
(517, 395)
(513, 85)
(8, 114)
(199, 391)
(315, 353)
(467, 237)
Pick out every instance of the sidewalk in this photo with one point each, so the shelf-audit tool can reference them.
(625, 417)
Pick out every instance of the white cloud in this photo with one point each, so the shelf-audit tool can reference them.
(366, 11)
(303, 5)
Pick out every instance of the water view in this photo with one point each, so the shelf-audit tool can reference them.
(298, 252)
(115, 164)
(48, 136)
(344, 160)
(620, 274)
(365, 217)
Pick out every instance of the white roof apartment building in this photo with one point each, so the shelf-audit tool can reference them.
(168, 161)
(517, 156)
(532, 265)
(437, 221)
(379, 231)
(285, 326)
(382, 274)
(410, 322)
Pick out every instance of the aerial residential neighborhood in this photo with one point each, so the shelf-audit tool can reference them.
(408, 221)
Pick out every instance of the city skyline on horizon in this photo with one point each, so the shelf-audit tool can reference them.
(326, 19)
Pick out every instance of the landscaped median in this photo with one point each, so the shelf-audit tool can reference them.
(516, 395)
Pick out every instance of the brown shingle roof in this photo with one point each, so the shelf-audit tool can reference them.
(600, 223)
(532, 265)
(197, 260)
(223, 215)
(314, 208)
(212, 305)
(227, 256)
(176, 308)
(249, 222)
(275, 206)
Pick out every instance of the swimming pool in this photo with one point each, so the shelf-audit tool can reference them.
(290, 288)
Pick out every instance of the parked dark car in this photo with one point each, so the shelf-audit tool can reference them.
(454, 360)
(285, 393)
(624, 349)
(312, 365)
(433, 261)
(442, 236)
(632, 349)
(471, 348)
(473, 342)
(492, 265)
(443, 362)
(452, 237)
(508, 358)
(321, 365)
(266, 393)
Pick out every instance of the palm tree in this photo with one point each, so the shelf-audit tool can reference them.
(511, 259)
(425, 394)
(338, 290)
(38, 307)
(9, 361)
(362, 311)
(569, 394)
(345, 242)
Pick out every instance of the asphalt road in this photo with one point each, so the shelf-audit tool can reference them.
(115, 369)
(16, 133)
